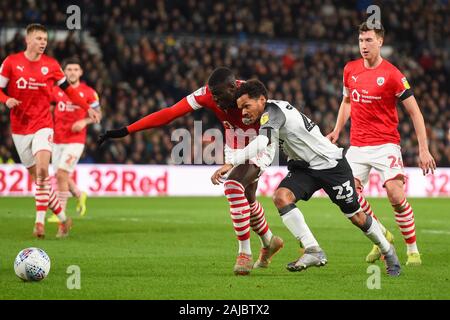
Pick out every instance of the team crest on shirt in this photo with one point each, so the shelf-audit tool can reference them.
(264, 118)
(380, 81)
(44, 70)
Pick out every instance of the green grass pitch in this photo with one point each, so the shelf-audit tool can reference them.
(185, 248)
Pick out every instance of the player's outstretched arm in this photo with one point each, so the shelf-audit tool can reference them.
(153, 120)
(426, 160)
(343, 115)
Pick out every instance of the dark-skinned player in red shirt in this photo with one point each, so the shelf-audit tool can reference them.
(240, 186)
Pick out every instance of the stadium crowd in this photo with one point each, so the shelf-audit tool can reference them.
(155, 57)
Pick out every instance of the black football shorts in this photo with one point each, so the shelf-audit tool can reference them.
(337, 182)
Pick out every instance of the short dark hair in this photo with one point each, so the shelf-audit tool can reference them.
(376, 26)
(73, 60)
(220, 76)
(254, 88)
(35, 27)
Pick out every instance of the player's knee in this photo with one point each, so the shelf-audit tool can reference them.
(395, 193)
(396, 197)
(283, 197)
(361, 220)
(41, 173)
(61, 177)
(233, 184)
(251, 196)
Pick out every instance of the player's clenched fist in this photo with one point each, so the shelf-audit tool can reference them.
(112, 134)
(11, 103)
(93, 115)
(217, 177)
(333, 136)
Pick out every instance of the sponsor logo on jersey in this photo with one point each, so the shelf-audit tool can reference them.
(21, 83)
(405, 83)
(30, 84)
(264, 118)
(354, 78)
(44, 70)
(20, 68)
(355, 95)
(380, 81)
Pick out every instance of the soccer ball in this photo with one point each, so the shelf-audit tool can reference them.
(32, 264)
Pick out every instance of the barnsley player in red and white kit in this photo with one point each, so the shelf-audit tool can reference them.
(29, 77)
(241, 184)
(70, 133)
(372, 87)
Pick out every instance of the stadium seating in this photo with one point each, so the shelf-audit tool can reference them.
(162, 53)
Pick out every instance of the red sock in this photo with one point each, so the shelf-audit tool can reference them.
(42, 198)
(258, 220)
(365, 206)
(240, 213)
(404, 217)
(54, 204)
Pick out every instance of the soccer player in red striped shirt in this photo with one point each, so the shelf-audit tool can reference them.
(29, 77)
(372, 87)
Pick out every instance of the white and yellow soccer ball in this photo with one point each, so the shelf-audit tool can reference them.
(32, 264)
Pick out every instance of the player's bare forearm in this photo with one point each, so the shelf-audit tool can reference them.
(413, 110)
(426, 160)
(343, 115)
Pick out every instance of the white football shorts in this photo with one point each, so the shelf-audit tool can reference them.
(66, 155)
(385, 158)
(27, 145)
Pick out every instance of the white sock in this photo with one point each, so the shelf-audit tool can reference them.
(412, 248)
(244, 247)
(62, 216)
(376, 236)
(296, 224)
(40, 217)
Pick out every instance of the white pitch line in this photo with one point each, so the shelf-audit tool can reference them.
(435, 231)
